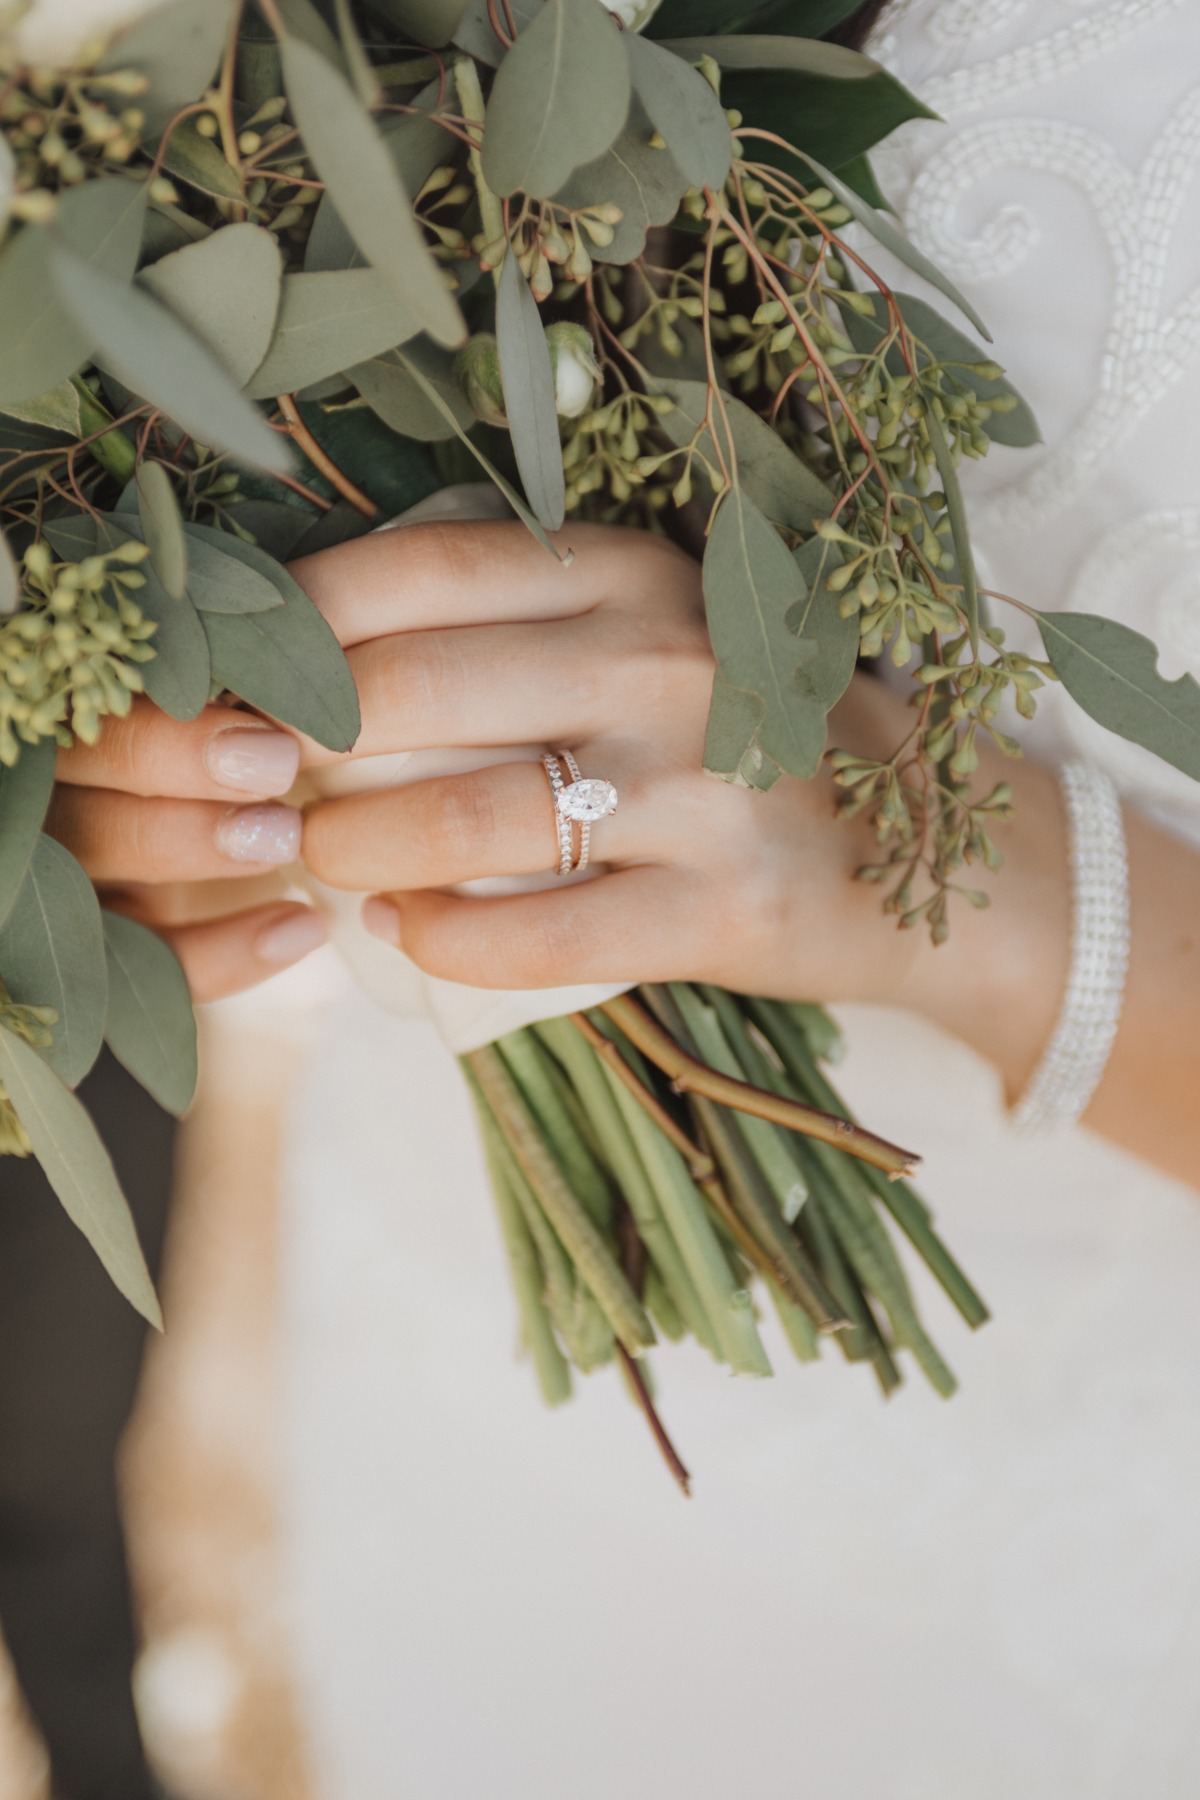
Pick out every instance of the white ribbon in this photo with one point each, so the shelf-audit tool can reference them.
(466, 1017)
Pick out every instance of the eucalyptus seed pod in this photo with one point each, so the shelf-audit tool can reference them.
(477, 371)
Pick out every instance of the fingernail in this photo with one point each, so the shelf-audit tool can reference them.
(260, 834)
(290, 938)
(382, 920)
(255, 761)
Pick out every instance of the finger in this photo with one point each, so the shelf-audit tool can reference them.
(226, 956)
(522, 684)
(496, 821)
(421, 576)
(124, 837)
(634, 925)
(222, 752)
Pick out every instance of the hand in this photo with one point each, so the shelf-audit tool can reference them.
(473, 635)
(159, 805)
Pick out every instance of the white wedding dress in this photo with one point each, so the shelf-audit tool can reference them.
(991, 1599)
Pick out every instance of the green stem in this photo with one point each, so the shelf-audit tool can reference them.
(470, 95)
(112, 450)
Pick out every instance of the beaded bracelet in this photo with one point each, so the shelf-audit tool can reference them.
(1069, 1072)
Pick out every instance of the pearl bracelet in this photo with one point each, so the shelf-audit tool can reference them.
(1069, 1072)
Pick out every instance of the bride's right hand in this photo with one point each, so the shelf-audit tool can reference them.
(180, 825)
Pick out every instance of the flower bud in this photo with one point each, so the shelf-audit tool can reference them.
(576, 371)
(477, 371)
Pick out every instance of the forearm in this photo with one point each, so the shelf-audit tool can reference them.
(1001, 983)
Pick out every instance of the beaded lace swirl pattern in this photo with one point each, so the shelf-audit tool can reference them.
(1070, 1070)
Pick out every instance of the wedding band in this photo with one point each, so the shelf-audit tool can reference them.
(583, 801)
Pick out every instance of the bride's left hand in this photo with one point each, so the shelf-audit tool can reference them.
(473, 635)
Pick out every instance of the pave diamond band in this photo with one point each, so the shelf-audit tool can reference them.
(582, 801)
(1074, 1060)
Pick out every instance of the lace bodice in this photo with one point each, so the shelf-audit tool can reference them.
(1063, 193)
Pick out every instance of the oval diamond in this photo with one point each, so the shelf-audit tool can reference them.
(589, 800)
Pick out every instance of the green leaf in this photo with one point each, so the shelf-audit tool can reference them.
(732, 742)
(57, 408)
(10, 579)
(1112, 672)
(935, 340)
(147, 349)
(25, 791)
(42, 341)
(151, 1029)
(418, 143)
(217, 579)
(683, 107)
(510, 493)
(328, 322)
(559, 99)
(178, 676)
(358, 63)
(646, 183)
(823, 98)
(353, 161)
(287, 662)
(751, 584)
(859, 175)
(528, 380)
(52, 954)
(162, 527)
(394, 471)
(8, 177)
(276, 528)
(817, 620)
(474, 32)
(432, 22)
(956, 512)
(225, 289)
(78, 1168)
(177, 48)
(783, 487)
(391, 390)
(199, 162)
(887, 233)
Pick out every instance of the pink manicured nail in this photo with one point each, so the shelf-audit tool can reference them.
(382, 920)
(290, 938)
(260, 834)
(253, 760)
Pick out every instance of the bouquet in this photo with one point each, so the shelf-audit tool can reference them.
(274, 272)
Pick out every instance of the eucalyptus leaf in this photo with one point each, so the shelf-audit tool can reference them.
(43, 342)
(217, 578)
(177, 48)
(57, 409)
(162, 527)
(814, 100)
(10, 579)
(528, 380)
(146, 347)
(936, 340)
(327, 322)
(303, 20)
(352, 159)
(358, 64)
(510, 493)
(559, 99)
(751, 584)
(52, 954)
(956, 512)
(178, 676)
(804, 56)
(475, 34)
(150, 1027)
(644, 181)
(287, 662)
(417, 143)
(199, 161)
(25, 791)
(817, 620)
(78, 1168)
(1112, 672)
(276, 528)
(8, 177)
(684, 109)
(783, 487)
(389, 386)
(432, 22)
(226, 290)
(796, 18)
(732, 743)
(887, 233)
